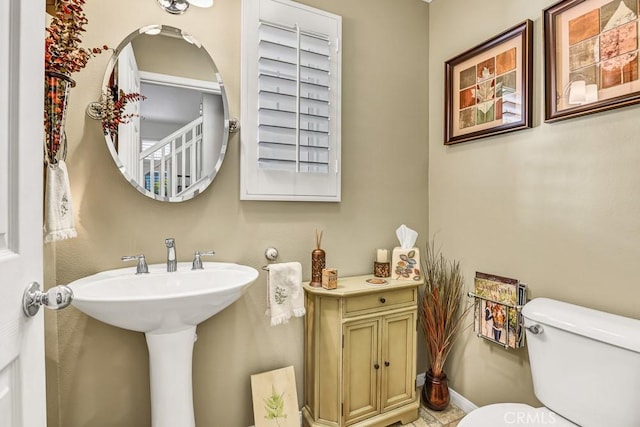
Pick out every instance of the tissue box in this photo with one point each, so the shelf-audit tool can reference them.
(405, 264)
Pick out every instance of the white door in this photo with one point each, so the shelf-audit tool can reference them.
(129, 133)
(22, 392)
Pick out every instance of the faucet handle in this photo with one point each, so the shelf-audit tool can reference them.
(142, 262)
(197, 261)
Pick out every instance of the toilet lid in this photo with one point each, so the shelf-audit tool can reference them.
(513, 414)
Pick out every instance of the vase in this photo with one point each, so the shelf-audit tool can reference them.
(318, 263)
(435, 393)
(56, 95)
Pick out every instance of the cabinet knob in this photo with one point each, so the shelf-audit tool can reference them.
(386, 363)
(376, 366)
(383, 300)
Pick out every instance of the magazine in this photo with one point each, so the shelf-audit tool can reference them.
(497, 318)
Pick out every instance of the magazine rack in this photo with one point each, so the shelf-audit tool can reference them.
(480, 301)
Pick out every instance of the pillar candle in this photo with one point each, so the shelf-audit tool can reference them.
(382, 255)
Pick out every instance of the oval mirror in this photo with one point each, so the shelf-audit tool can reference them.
(164, 113)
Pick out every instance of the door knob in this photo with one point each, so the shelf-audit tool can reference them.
(386, 363)
(376, 366)
(55, 298)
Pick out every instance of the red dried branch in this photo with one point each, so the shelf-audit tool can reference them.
(63, 52)
(114, 110)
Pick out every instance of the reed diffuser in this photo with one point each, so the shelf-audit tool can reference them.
(318, 261)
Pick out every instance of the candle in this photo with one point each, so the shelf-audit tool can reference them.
(382, 255)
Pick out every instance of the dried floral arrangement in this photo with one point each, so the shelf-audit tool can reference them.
(113, 110)
(63, 53)
(63, 56)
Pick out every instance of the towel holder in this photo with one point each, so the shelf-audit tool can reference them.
(271, 254)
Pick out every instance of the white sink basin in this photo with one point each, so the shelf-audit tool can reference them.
(167, 307)
(161, 302)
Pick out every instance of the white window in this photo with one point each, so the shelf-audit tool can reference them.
(291, 66)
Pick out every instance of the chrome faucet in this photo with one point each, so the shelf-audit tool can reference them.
(172, 260)
(142, 267)
(197, 259)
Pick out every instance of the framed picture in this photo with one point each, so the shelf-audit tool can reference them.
(591, 57)
(275, 399)
(488, 88)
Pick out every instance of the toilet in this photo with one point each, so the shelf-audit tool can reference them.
(585, 366)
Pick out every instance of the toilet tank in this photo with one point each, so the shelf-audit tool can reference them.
(585, 363)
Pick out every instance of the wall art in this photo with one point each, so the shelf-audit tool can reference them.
(591, 57)
(488, 88)
(275, 399)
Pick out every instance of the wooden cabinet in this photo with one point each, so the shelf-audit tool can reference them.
(360, 354)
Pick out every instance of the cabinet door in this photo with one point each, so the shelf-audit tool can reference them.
(398, 344)
(361, 367)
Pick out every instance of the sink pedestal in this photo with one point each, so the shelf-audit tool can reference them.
(166, 306)
(170, 362)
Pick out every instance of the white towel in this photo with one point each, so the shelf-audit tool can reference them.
(284, 292)
(58, 209)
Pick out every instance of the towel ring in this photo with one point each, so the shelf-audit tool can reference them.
(271, 254)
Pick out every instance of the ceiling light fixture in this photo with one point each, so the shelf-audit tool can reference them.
(178, 7)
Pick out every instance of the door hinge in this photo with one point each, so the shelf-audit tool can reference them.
(342, 409)
(342, 340)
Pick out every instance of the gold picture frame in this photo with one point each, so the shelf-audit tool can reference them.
(591, 57)
(488, 88)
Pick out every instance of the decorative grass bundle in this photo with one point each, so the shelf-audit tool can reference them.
(319, 239)
(442, 311)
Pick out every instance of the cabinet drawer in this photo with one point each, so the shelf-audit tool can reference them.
(379, 301)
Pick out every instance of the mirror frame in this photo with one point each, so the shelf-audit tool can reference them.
(225, 107)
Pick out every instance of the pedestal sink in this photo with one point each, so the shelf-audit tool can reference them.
(167, 307)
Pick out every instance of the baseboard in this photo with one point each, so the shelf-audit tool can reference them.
(461, 402)
(420, 380)
(456, 398)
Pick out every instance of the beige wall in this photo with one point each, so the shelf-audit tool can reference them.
(98, 374)
(555, 206)
(179, 57)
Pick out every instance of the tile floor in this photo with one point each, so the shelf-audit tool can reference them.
(447, 418)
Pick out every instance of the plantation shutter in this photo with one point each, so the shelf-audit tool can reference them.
(291, 98)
